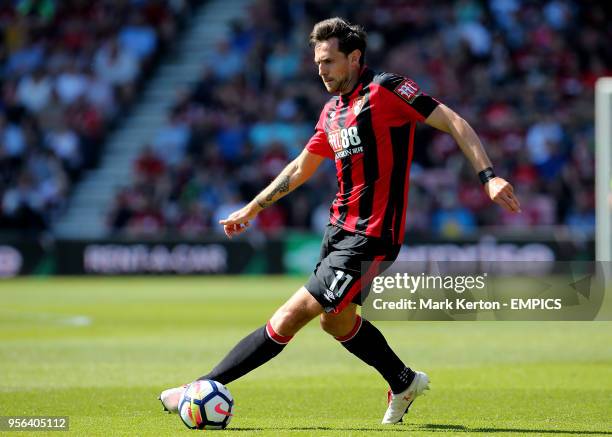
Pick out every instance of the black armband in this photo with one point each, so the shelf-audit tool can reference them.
(486, 175)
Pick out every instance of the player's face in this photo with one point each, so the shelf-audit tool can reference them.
(338, 71)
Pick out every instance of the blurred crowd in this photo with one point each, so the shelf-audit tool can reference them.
(68, 70)
(521, 72)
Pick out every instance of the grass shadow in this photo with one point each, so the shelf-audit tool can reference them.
(318, 428)
(460, 428)
(430, 427)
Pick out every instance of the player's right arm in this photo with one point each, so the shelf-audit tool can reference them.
(413, 104)
(293, 175)
(498, 189)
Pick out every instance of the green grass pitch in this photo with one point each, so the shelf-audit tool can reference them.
(100, 350)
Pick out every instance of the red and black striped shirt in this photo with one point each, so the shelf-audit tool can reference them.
(369, 132)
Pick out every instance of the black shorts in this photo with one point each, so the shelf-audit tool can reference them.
(338, 280)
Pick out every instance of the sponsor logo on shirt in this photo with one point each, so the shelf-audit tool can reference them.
(345, 142)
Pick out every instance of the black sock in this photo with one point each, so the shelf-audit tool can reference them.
(368, 344)
(257, 348)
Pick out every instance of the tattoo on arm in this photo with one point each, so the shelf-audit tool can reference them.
(281, 187)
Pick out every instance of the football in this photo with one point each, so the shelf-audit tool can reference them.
(206, 404)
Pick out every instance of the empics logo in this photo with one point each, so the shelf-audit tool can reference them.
(407, 90)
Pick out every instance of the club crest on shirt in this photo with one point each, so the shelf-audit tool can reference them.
(332, 115)
(358, 105)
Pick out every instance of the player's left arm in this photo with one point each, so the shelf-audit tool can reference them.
(293, 175)
(498, 189)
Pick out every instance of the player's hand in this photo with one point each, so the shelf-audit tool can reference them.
(238, 221)
(501, 192)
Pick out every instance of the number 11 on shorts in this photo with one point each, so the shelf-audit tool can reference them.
(340, 276)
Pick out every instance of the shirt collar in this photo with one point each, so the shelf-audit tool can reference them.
(365, 75)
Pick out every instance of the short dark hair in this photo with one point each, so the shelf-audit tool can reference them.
(350, 36)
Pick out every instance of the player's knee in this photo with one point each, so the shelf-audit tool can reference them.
(288, 321)
(282, 321)
(327, 325)
(334, 325)
(300, 309)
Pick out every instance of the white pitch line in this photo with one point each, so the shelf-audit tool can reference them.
(76, 320)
